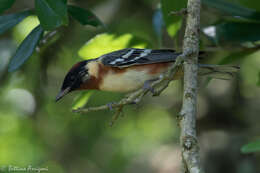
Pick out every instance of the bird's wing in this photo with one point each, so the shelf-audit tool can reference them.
(131, 56)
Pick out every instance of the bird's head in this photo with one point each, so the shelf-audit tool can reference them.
(77, 75)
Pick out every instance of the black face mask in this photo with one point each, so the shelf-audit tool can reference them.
(73, 79)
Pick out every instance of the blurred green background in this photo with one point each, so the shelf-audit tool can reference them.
(36, 131)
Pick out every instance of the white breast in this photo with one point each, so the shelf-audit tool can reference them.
(125, 82)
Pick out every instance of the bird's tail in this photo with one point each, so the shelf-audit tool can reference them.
(225, 72)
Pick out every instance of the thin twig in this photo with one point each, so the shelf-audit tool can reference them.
(46, 38)
(181, 12)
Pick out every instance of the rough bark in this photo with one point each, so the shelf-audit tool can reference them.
(188, 137)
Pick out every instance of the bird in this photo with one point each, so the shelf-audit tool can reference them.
(129, 69)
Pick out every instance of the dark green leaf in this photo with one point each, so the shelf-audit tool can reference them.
(233, 32)
(234, 10)
(253, 4)
(52, 14)
(83, 16)
(173, 22)
(26, 48)
(5, 4)
(251, 147)
(8, 21)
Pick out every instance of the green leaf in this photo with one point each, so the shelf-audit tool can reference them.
(252, 4)
(8, 21)
(83, 16)
(251, 147)
(234, 10)
(105, 43)
(82, 100)
(233, 32)
(26, 48)
(23, 29)
(173, 22)
(5, 4)
(52, 14)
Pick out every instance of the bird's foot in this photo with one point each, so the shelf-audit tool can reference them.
(110, 105)
(147, 86)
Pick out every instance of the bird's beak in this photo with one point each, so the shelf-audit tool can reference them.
(62, 93)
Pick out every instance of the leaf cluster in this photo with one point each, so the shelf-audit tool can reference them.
(52, 15)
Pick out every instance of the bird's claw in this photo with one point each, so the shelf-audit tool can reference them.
(110, 105)
(147, 86)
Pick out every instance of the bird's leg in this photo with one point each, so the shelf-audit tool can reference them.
(110, 105)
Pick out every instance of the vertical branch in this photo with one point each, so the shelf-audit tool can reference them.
(188, 137)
